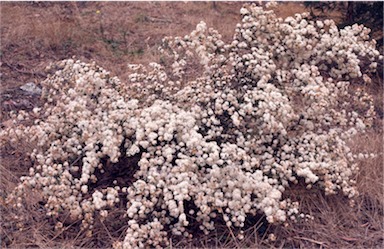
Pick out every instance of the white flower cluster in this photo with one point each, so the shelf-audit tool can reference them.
(79, 129)
(216, 133)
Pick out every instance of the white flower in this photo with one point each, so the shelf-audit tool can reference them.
(98, 201)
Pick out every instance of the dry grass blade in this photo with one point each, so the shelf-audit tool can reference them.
(311, 240)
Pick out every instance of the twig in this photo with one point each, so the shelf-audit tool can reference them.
(233, 236)
(349, 239)
(22, 71)
(106, 229)
(77, 159)
(311, 240)
(64, 229)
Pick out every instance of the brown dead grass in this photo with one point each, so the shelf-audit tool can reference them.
(337, 224)
(114, 34)
(34, 34)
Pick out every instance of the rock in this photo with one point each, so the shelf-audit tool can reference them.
(31, 88)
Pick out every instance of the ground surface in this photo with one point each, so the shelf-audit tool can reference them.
(35, 34)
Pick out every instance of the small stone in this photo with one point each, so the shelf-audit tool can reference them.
(31, 88)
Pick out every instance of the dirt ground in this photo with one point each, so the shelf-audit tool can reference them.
(35, 34)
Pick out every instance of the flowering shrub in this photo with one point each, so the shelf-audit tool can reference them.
(218, 131)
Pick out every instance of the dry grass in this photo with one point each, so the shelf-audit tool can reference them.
(35, 34)
(337, 224)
